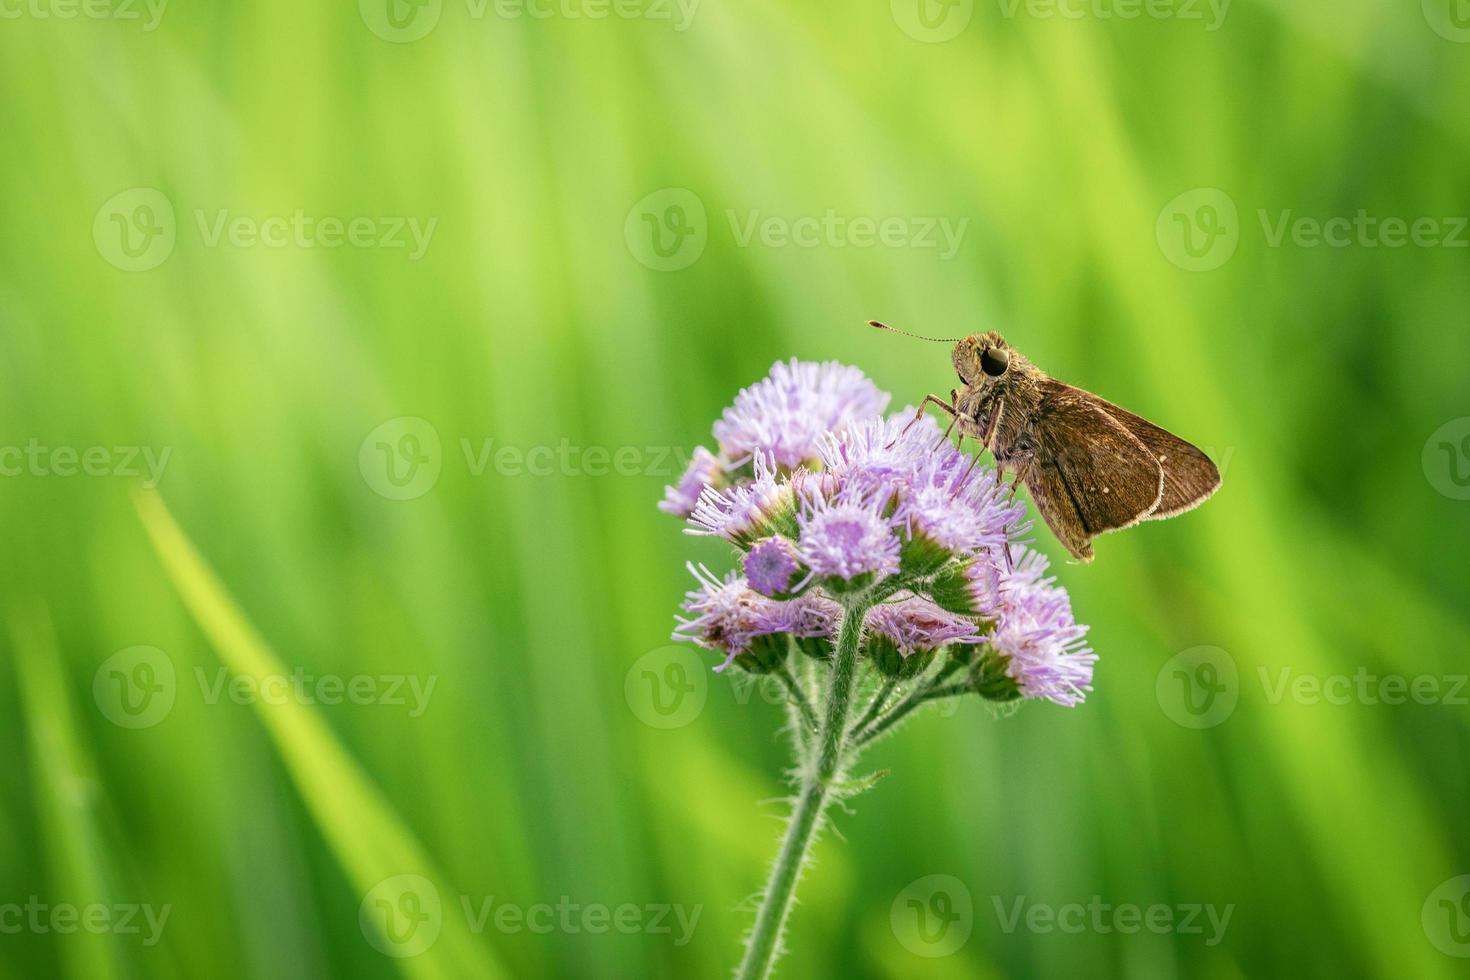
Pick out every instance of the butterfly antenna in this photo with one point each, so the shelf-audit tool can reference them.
(932, 340)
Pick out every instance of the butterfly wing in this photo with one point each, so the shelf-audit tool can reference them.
(1088, 474)
(1190, 477)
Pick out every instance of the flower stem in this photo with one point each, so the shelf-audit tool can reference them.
(764, 944)
(798, 697)
(920, 696)
(879, 700)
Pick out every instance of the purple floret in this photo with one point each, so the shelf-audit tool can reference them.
(704, 470)
(771, 566)
(915, 625)
(786, 413)
(1043, 647)
(847, 535)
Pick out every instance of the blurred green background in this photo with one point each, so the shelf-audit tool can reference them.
(139, 309)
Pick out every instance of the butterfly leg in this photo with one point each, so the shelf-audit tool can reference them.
(1017, 478)
(993, 429)
(949, 407)
(954, 418)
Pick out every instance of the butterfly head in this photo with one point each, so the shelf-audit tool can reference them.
(984, 358)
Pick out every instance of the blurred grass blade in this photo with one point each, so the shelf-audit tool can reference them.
(67, 780)
(375, 848)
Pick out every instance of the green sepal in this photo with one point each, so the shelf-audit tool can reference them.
(922, 555)
(848, 586)
(991, 680)
(766, 654)
(816, 647)
(883, 652)
(950, 590)
(783, 522)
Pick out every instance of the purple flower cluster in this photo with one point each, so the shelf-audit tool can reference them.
(786, 414)
(728, 615)
(916, 625)
(848, 534)
(829, 502)
(1041, 646)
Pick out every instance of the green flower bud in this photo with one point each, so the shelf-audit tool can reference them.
(883, 652)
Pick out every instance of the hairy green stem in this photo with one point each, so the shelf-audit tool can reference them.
(919, 696)
(764, 944)
(798, 697)
(876, 706)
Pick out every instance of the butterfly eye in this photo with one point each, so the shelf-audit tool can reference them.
(994, 361)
